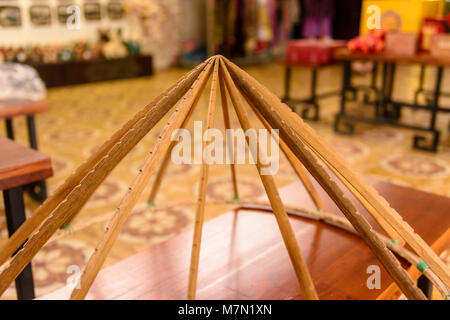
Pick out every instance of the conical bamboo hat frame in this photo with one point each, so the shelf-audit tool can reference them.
(300, 144)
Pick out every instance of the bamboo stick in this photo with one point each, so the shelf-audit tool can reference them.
(386, 216)
(287, 233)
(299, 170)
(81, 192)
(137, 186)
(264, 105)
(227, 123)
(164, 164)
(201, 200)
(162, 169)
(31, 223)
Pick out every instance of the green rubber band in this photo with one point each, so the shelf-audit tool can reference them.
(69, 228)
(391, 242)
(236, 198)
(151, 204)
(318, 212)
(422, 265)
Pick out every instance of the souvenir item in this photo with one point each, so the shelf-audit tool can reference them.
(18, 81)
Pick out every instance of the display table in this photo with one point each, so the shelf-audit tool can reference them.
(314, 55)
(243, 255)
(387, 110)
(311, 109)
(20, 166)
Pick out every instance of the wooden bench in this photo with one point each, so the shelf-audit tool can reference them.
(20, 166)
(10, 108)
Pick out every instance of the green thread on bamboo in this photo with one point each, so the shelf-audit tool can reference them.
(236, 199)
(446, 296)
(318, 212)
(69, 228)
(151, 205)
(422, 265)
(391, 242)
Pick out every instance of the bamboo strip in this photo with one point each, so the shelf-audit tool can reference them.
(162, 169)
(41, 213)
(384, 213)
(79, 195)
(200, 211)
(287, 233)
(299, 170)
(227, 123)
(137, 186)
(264, 105)
(164, 164)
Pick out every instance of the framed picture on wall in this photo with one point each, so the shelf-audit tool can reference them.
(40, 15)
(92, 11)
(10, 16)
(63, 15)
(115, 10)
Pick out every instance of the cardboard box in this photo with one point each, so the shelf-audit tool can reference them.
(440, 45)
(308, 51)
(401, 43)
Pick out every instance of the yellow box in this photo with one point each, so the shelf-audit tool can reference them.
(400, 15)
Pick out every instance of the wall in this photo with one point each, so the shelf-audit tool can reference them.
(56, 32)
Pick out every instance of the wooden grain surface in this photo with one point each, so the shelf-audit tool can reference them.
(20, 165)
(419, 58)
(243, 255)
(18, 107)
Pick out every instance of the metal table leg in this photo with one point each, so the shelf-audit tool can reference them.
(381, 109)
(32, 132)
(38, 190)
(391, 110)
(381, 102)
(339, 120)
(419, 140)
(287, 83)
(420, 89)
(9, 129)
(312, 100)
(15, 216)
(373, 84)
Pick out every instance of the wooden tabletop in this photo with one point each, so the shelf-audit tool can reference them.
(310, 65)
(419, 58)
(243, 255)
(20, 165)
(20, 107)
